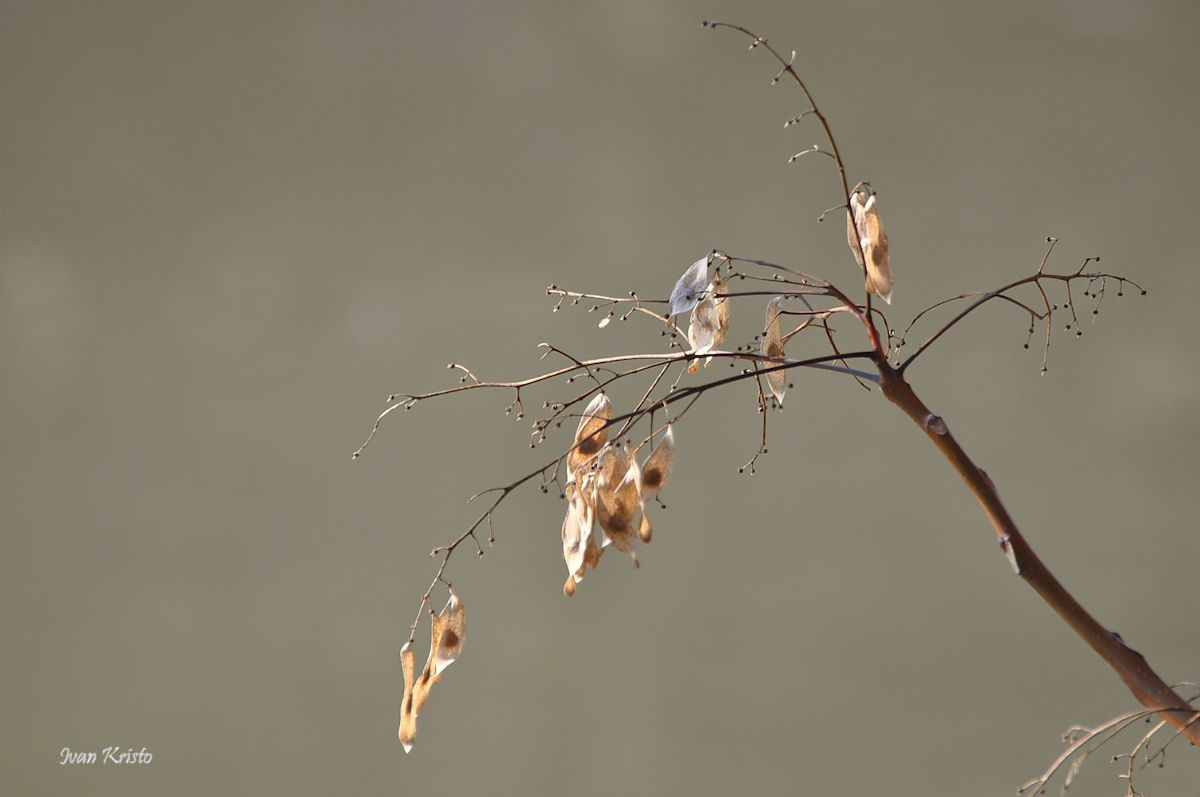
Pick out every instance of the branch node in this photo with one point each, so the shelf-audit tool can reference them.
(1006, 548)
(935, 424)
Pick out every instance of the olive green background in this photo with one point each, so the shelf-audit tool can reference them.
(229, 230)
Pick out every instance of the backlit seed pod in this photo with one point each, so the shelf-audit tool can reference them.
(576, 530)
(591, 558)
(423, 686)
(718, 289)
(572, 542)
(852, 237)
(428, 677)
(622, 540)
(591, 555)
(657, 467)
(874, 242)
(703, 328)
(690, 287)
(452, 634)
(408, 713)
(611, 467)
(772, 346)
(591, 434)
(634, 476)
(617, 500)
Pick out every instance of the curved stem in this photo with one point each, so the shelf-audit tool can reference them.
(1145, 684)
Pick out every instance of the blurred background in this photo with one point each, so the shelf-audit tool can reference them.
(229, 231)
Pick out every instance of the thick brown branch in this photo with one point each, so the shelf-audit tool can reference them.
(1145, 684)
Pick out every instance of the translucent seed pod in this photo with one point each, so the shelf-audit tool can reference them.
(591, 434)
(772, 346)
(452, 628)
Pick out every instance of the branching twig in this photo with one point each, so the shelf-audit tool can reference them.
(1155, 695)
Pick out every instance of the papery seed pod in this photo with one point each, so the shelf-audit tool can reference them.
(633, 475)
(572, 543)
(622, 540)
(690, 287)
(718, 290)
(852, 237)
(423, 686)
(874, 242)
(591, 434)
(772, 346)
(591, 556)
(611, 466)
(428, 677)
(617, 500)
(408, 713)
(453, 631)
(574, 532)
(633, 471)
(702, 330)
(657, 467)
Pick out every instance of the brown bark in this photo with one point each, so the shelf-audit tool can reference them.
(1145, 684)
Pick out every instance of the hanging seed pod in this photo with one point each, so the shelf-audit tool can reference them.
(703, 329)
(772, 346)
(718, 290)
(408, 713)
(451, 632)
(591, 434)
(690, 287)
(657, 467)
(868, 228)
(617, 501)
(576, 530)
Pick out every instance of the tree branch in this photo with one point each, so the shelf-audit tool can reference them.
(1145, 684)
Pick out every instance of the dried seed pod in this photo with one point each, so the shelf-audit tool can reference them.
(622, 540)
(868, 228)
(718, 290)
(576, 530)
(591, 555)
(451, 632)
(423, 686)
(408, 712)
(617, 500)
(591, 558)
(592, 433)
(772, 346)
(611, 467)
(690, 287)
(657, 468)
(634, 476)
(852, 237)
(703, 328)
